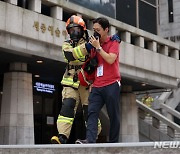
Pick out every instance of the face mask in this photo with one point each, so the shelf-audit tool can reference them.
(97, 35)
(76, 35)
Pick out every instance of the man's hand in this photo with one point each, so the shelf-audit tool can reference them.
(94, 42)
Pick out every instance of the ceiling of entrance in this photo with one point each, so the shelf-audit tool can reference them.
(51, 70)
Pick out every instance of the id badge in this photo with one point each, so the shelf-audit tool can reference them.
(100, 71)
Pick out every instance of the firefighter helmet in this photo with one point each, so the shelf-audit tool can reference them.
(75, 21)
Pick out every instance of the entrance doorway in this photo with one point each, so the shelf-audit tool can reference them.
(46, 105)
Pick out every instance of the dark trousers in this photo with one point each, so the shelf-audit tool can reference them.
(109, 95)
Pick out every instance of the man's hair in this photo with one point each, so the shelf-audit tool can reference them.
(102, 21)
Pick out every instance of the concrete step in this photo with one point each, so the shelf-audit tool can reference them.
(105, 148)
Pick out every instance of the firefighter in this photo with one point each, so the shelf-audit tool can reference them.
(147, 100)
(75, 52)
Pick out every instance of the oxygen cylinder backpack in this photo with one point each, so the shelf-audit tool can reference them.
(87, 73)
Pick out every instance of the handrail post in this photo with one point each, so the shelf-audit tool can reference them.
(141, 113)
(155, 122)
(170, 132)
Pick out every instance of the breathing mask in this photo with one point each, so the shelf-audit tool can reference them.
(97, 35)
(76, 33)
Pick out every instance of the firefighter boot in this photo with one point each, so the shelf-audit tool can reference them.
(60, 139)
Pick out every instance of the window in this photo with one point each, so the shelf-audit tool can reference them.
(170, 11)
(66, 15)
(23, 3)
(126, 11)
(45, 10)
(106, 7)
(147, 17)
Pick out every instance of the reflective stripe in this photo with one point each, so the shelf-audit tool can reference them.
(99, 123)
(66, 46)
(65, 119)
(82, 58)
(76, 61)
(78, 52)
(70, 82)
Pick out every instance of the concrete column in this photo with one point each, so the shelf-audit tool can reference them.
(129, 118)
(175, 54)
(152, 46)
(57, 12)
(12, 1)
(16, 123)
(112, 30)
(0, 102)
(35, 5)
(164, 50)
(139, 41)
(126, 37)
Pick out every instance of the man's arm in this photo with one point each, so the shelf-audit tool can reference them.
(108, 57)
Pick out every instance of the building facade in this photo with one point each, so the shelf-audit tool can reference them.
(169, 20)
(142, 14)
(32, 65)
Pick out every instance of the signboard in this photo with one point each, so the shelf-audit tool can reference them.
(44, 87)
(105, 7)
(50, 120)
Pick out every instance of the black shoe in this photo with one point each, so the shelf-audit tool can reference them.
(78, 141)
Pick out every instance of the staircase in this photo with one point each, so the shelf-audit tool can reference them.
(160, 117)
(154, 126)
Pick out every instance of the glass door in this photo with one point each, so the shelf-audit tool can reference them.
(46, 109)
